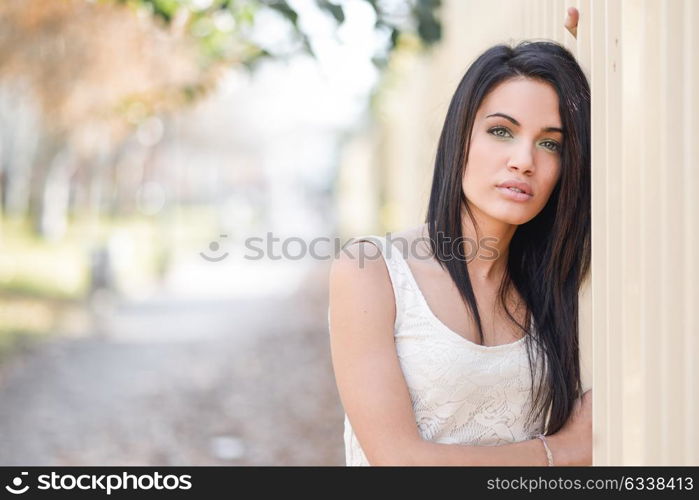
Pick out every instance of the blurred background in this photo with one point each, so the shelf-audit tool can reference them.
(144, 144)
(168, 166)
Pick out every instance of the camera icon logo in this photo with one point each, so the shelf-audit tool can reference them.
(214, 247)
(16, 488)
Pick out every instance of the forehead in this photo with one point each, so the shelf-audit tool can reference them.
(527, 100)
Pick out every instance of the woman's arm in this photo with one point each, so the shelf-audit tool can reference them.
(367, 371)
(370, 381)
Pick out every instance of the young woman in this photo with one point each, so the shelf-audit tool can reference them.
(456, 342)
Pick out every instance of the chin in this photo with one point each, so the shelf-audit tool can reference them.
(516, 222)
(506, 213)
(513, 218)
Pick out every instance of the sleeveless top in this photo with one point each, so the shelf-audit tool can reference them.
(461, 392)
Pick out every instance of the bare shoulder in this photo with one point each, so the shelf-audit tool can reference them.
(359, 277)
(360, 265)
(360, 286)
(360, 260)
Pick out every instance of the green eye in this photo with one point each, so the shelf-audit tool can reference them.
(494, 131)
(554, 146)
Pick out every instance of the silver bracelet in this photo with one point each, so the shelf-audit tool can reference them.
(549, 455)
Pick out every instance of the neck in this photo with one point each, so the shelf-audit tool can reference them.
(488, 247)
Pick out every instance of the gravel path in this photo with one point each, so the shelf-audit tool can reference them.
(245, 382)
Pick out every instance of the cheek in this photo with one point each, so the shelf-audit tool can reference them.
(549, 185)
(554, 178)
(472, 180)
(480, 158)
(480, 152)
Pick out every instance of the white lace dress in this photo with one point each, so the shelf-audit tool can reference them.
(461, 392)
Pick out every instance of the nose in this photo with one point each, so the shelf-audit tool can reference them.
(522, 160)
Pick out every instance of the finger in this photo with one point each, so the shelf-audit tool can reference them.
(571, 21)
(574, 15)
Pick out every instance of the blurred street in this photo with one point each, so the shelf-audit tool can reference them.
(217, 382)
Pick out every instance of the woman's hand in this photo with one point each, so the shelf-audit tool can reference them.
(572, 444)
(571, 22)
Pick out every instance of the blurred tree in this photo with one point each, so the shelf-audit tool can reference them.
(223, 28)
(78, 78)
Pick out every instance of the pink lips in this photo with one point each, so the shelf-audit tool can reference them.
(514, 195)
(522, 186)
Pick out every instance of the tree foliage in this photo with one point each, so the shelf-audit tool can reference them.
(78, 77)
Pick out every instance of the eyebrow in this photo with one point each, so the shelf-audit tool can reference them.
(545, 129)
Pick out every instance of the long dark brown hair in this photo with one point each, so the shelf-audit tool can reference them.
(549, 256)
